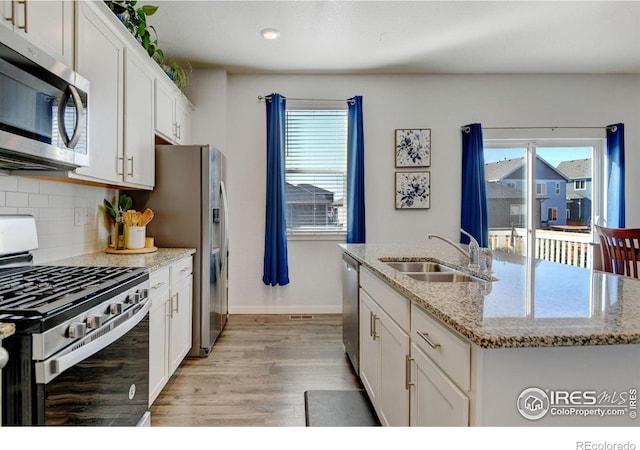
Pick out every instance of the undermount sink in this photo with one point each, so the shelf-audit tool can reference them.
(431, 271)
(418, 266)
(449, 277)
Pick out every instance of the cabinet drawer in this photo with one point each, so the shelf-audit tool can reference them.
(447, 350)
(391, 301)
(158, 281)
(181, 269)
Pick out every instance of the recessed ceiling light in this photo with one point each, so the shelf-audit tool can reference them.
(270, 33)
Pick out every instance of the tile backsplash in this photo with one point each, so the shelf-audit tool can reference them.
(69, 217)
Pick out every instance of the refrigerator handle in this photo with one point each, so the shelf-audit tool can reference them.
(225, 253)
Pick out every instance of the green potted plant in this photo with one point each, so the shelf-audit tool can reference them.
(135, 20)
(178, 74)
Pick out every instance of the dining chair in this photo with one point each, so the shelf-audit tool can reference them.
(620, 249)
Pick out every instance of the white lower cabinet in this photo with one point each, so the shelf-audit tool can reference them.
(435, 399)
(415, 370)
(180, 315)
(159, 329)
(171, 293)
(384, 349)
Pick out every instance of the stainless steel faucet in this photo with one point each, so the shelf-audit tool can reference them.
(472, 253)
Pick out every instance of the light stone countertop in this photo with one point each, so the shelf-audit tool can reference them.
(571, 306)
(150, 261)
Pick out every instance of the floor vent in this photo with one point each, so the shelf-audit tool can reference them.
(301, 317)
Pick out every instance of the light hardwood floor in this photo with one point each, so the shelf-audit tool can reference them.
(257, 373)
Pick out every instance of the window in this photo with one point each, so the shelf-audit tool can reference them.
(316, 171)
(580, 185)
(566, 163)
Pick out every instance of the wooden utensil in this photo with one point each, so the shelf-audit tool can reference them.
(145, 217)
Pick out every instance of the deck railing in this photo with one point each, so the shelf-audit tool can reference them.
(557, 246)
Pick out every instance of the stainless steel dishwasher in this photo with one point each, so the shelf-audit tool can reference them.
(350, 309)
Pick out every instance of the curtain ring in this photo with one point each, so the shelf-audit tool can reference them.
(465, 129)
(613, 128)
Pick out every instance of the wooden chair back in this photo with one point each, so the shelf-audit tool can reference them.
(620, 249)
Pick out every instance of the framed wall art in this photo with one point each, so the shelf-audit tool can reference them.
(413, 190)
(413, 147)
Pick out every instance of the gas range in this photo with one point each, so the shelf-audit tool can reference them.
(58, 305)
(80, 352)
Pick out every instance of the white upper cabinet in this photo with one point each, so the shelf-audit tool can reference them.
(100, 58)
(121, 101)
(172, 113)
(139, 149)
(48, 24)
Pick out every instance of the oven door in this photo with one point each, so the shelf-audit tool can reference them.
(101, 382)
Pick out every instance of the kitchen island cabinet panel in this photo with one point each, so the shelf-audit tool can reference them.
(384, 349)
(435, 399)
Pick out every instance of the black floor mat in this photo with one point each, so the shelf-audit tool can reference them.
(339, 409)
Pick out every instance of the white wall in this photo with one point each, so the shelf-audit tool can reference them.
(440, 102)
(52, 204)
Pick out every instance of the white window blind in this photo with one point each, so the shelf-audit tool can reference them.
(316, 171)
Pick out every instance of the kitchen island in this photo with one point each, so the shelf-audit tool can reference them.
(494, 352)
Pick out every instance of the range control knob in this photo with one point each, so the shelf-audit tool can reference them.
(133, 298)
(76, 330)
(144, 293)
(116, 308)
(94, 322)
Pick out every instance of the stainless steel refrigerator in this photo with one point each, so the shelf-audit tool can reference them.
(190, 206)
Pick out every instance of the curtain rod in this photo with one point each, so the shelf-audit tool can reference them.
(466, 129)
(350, 101)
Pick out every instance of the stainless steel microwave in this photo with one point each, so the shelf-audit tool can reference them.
(43, 109)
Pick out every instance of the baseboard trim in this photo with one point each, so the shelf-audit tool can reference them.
(331, 309)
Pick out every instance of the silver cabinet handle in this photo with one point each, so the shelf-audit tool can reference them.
(120, 164)
(12, 19)
(177, 309)
(24, 5)
(375, 332)
(425, 336)
(371, 323)
(158, 285)
(407, 372)
(131, 159)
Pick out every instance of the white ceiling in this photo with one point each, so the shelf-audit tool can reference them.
(403, 36)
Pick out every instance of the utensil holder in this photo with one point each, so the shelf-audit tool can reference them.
(134, 237)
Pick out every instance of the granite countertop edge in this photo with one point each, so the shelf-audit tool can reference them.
(510, 339)
(150, 261)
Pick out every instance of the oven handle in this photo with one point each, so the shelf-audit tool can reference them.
(49, 369)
